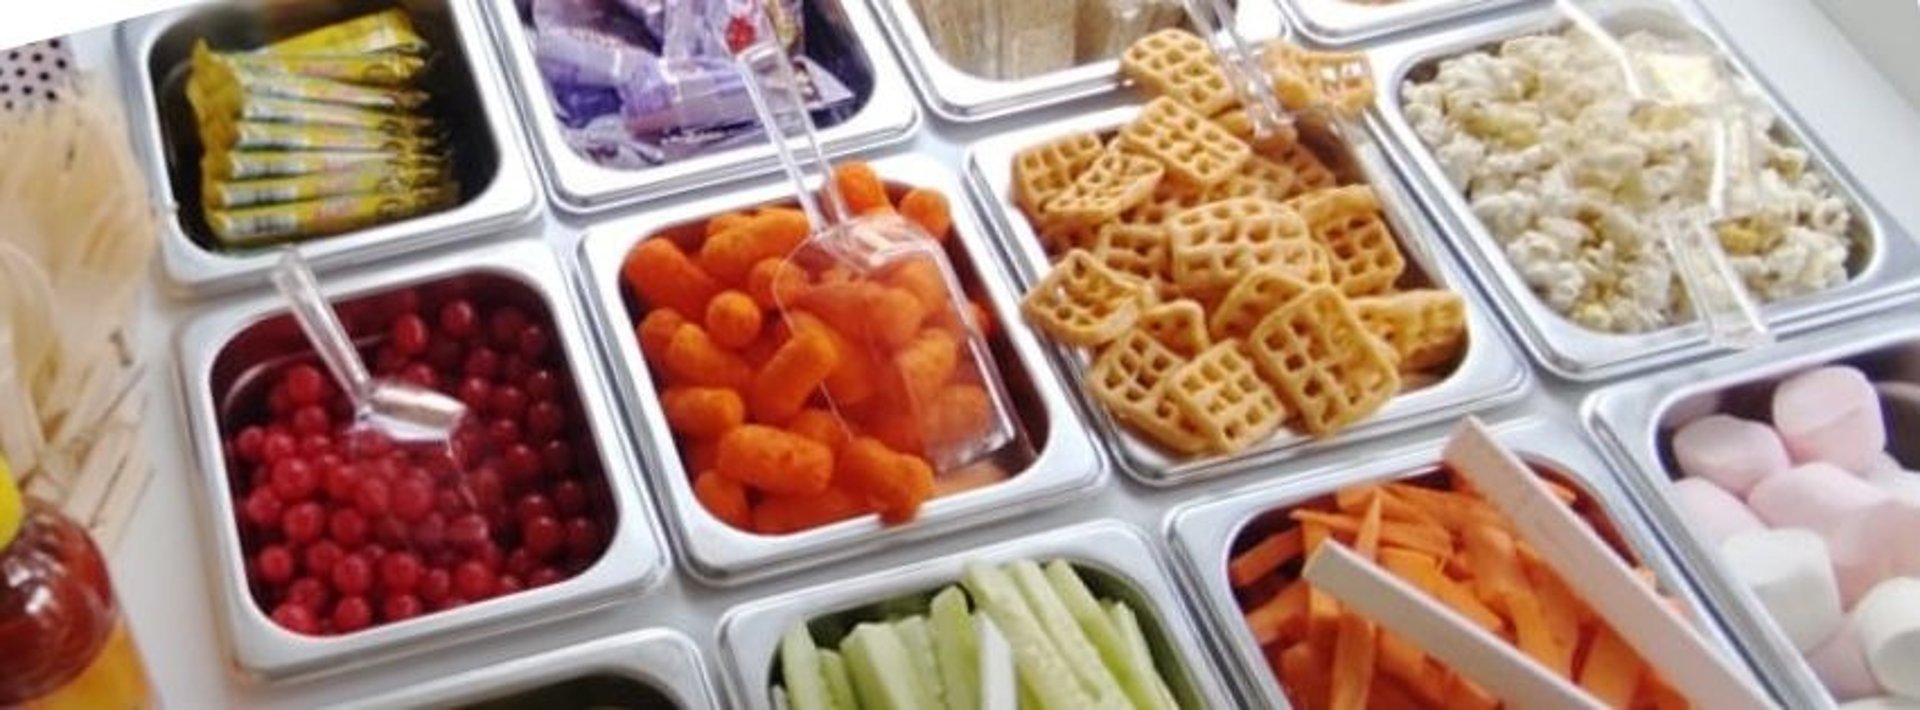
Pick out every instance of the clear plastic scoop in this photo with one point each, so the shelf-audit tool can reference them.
(1697, 81)
(874, 249)
(1213, 20)
(401, 411)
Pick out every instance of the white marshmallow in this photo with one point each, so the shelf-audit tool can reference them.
(1904, 485)
(1730, 451)
(1790, 573)
(1841, 663)
(1815, 496)
(1712, 512)
(1831, 414)
(1884, 702)
(1889, 623)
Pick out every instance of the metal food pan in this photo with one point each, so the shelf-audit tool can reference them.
(1204, 533)
(1114, 560)
(1053, 459)
(1490, 374)
(655, 669)
(1345, 23)
(224, 348)
(1886, 264)
(498, 191)
(886, 114)
(957, 95)
(1635, 422)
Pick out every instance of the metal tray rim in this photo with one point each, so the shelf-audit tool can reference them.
(1340, 23)
(660, 657)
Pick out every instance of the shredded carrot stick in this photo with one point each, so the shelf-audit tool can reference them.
(1611, 672)
(1265, 558)
(1304, 675)
(1431, 540)
(1283, 616)
(1354, 656)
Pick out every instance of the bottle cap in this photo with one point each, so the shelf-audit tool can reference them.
(11, 509)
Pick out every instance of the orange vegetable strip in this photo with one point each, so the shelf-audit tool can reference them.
(1304, 675)
(1401, 660)
(1496, 569)
(1282, 617)
(665, 277)
(1611, 671)
(1264, 558)
(1392, 557)
(1562, 612)
(1449, 592)
(798, 368)
(1323, 611)
(692, 358)
(1464, 694)
(1354, 655)
(733, 319)
(1431, 540)
(724, 498)
(1390, 694)
(775, 461)
(928, 208)
(703, 412)
(1367, 541)
(1455, 511)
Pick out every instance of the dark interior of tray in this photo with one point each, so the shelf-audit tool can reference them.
(599, 690)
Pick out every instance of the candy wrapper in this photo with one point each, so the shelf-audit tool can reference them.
(373, 177)
(256, 226)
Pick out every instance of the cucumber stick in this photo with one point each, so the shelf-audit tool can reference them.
(883, 676)
(956, 650)
(1138, 681)
(1000, 685)
(1059, 624)
(839, 685)
(800, 671)
(917, 636)
(1040, 663)
(1128, 625)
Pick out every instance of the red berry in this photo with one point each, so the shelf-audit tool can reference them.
(556, 458)
(352, 613)
(322, 556)
(504, 326)
(278, 445)
(519, 562)
(409, 334)
(542, 535)
(352, 574)
(303, 522)
(430, 533)
(388, 361)
(412, 498)
(508, 584)
(569, 498)
(508, 402)
(545, 420)
(446, 355)
(543, 577)
(348, 527)
(583, 537)
(308, 592)
(262, 508)
(295, 618)
(471, 580)
(522, 463)
(532, 505)
(486, 487)
(468, 531)
(315, 445)
(503, 433)
(248, 443)
(483, 363)
(401, 607)
(293, 480)
(389, 531)
(305, 385)
(542, 386)
(342, 481)
(457, 319)
(475, 393)
(533, 342)
(275, 564)
(311, 419)
(515, 368)
(399, 572)
(422, 375)
(373, 496)
(435, 586)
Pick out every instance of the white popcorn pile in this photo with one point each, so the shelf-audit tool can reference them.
(1572, 178)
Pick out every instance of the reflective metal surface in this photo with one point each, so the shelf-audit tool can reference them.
(1345, 23)
(655, 668)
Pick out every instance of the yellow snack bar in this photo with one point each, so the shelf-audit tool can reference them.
(212, 79)
(254, 164)
(377, 69)
(384, 31)
(254, 226)
(255, 135)
(233, 107)
(376, 177)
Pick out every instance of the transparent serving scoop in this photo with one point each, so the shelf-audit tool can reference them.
(402, 412)
(1238, 59)
(874, 248)
(1698, 81)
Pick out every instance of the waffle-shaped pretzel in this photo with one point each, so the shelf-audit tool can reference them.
(1114, 182)
(1059, 236)
(1260, 177)
(1347, 221)
(1220, 392)
(1238, 123)
(1180, 324)
(1338, 81)
(1082, 302)
(1425, 328)
(1258, 295)
(1129, 377)
(1325, 365)
(1215, 244)
(1045, 170)
(1195, 151)
(1178, 64)
(1304, 170)
(1135, 249)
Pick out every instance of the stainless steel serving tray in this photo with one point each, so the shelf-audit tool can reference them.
(1345, 23)
(498, 187)
(1491, 373)
(1114, 559)
(960, 96)
(580, 186)
(664, 664)
(1633, 423)
(1890, 263)
(1064, 459)
(635, 557)
(1203, 532)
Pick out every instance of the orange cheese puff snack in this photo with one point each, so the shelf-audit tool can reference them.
(758, 352)
(657, 329)
(955, 414)
(861, 187)
(692, 358)
(895, 316)
(922, 278)
(725, 498)
(835, 274)
(700, 455)
(665, 278)
(928, 208)
(844, 306)
(775, 461)
(779, 515)
(851, 382)
(926, 363)
(775, 280)
(703, 412)
(820, 425)
(892, 483)
(794, 372)
(774, 232)
(726, 222)
(733, 319)
(897, 429)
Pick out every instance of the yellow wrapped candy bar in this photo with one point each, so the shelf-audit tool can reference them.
(255, 226)
(221, 164)
(233, 107)
(212, 79)
(254, 135)
(384, 31)
(376, 177)
(377, 69)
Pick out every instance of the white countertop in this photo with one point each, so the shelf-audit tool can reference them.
(160, 568)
